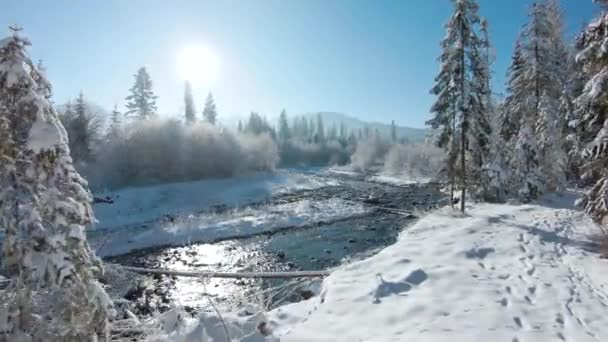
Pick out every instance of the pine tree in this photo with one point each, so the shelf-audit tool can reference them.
(551, 71)
(393, 132)
(592, 109)
(332, 133)
(480, 108)
(240, 126)
(210, 111)
(284, 132)
(79, 135)
(142, 101)
(517, 89)
(115, 125)
(320, 136)
(44, 209)
(343, 134)
(536, 85)
(190, 111)
(457, 89)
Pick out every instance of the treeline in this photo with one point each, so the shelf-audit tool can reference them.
(138, 147)
(549, 131)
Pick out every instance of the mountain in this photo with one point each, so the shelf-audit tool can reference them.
(353, 124)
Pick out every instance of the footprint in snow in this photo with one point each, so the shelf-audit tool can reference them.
(388, 288)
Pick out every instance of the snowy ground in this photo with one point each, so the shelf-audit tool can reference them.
(500, 273)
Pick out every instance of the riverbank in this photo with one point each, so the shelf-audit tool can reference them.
(498, 273)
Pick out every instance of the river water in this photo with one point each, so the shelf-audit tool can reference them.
(315, 245)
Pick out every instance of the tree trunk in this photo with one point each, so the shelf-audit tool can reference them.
(463, 123)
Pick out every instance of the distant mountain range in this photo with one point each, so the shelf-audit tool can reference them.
(352, 123)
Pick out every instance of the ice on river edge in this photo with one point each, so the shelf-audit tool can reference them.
(498, 273)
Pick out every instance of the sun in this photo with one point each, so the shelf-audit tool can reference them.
(198, 65)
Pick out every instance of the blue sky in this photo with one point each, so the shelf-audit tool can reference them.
(373, 59)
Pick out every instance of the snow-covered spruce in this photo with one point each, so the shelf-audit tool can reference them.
(532, 123)
(44, 210)
(462, 90)
(591, 109)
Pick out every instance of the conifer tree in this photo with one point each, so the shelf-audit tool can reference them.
(142, 101)
(592, 109)
(458, 89)
(320, 134)
(44, 209)
(210, 111)
(393, 132)
(284, 132)
(189, 109)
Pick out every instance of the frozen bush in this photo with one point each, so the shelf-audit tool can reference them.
(166, 150)
(302, 153)
(369, 153)
(413, 161)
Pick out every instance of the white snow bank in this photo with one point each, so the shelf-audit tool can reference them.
(138, 205)
(246, 326)
(500, 273)
(210, 227)
(398, 180)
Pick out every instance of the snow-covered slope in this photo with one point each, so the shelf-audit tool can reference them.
(500, 273)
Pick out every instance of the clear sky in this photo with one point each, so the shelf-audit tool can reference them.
(373, 59)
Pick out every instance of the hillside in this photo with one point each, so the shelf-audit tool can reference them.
(352, 123)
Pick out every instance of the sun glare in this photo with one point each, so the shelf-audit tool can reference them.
(198, 64)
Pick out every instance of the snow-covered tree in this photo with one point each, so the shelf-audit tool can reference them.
(480, 109)
(189, 109)
(78, 130)
(142, 101)
(459, 96)
(284, 131)
(496, 173)
(332, 133)
(518, 89)
(210, 111)
(319, 136)
(343, 133)
(531, 112)
(114, 129)
(44, 210)
(240, 126)
(592, 109)
(393, 132)
(550, 64)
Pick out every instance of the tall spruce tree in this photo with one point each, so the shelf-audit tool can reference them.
(284, 131)
(592, 109)
(80, 137)
(393, 132)
(457, 89)
(189, 109)
(115, 125)
(141, 103)
(44, 209)
(210, 111)
(320, 134)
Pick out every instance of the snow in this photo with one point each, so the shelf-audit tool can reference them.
(44, 136)
(247, 326)
(398, 180)
(139, 205)
(498, 273)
